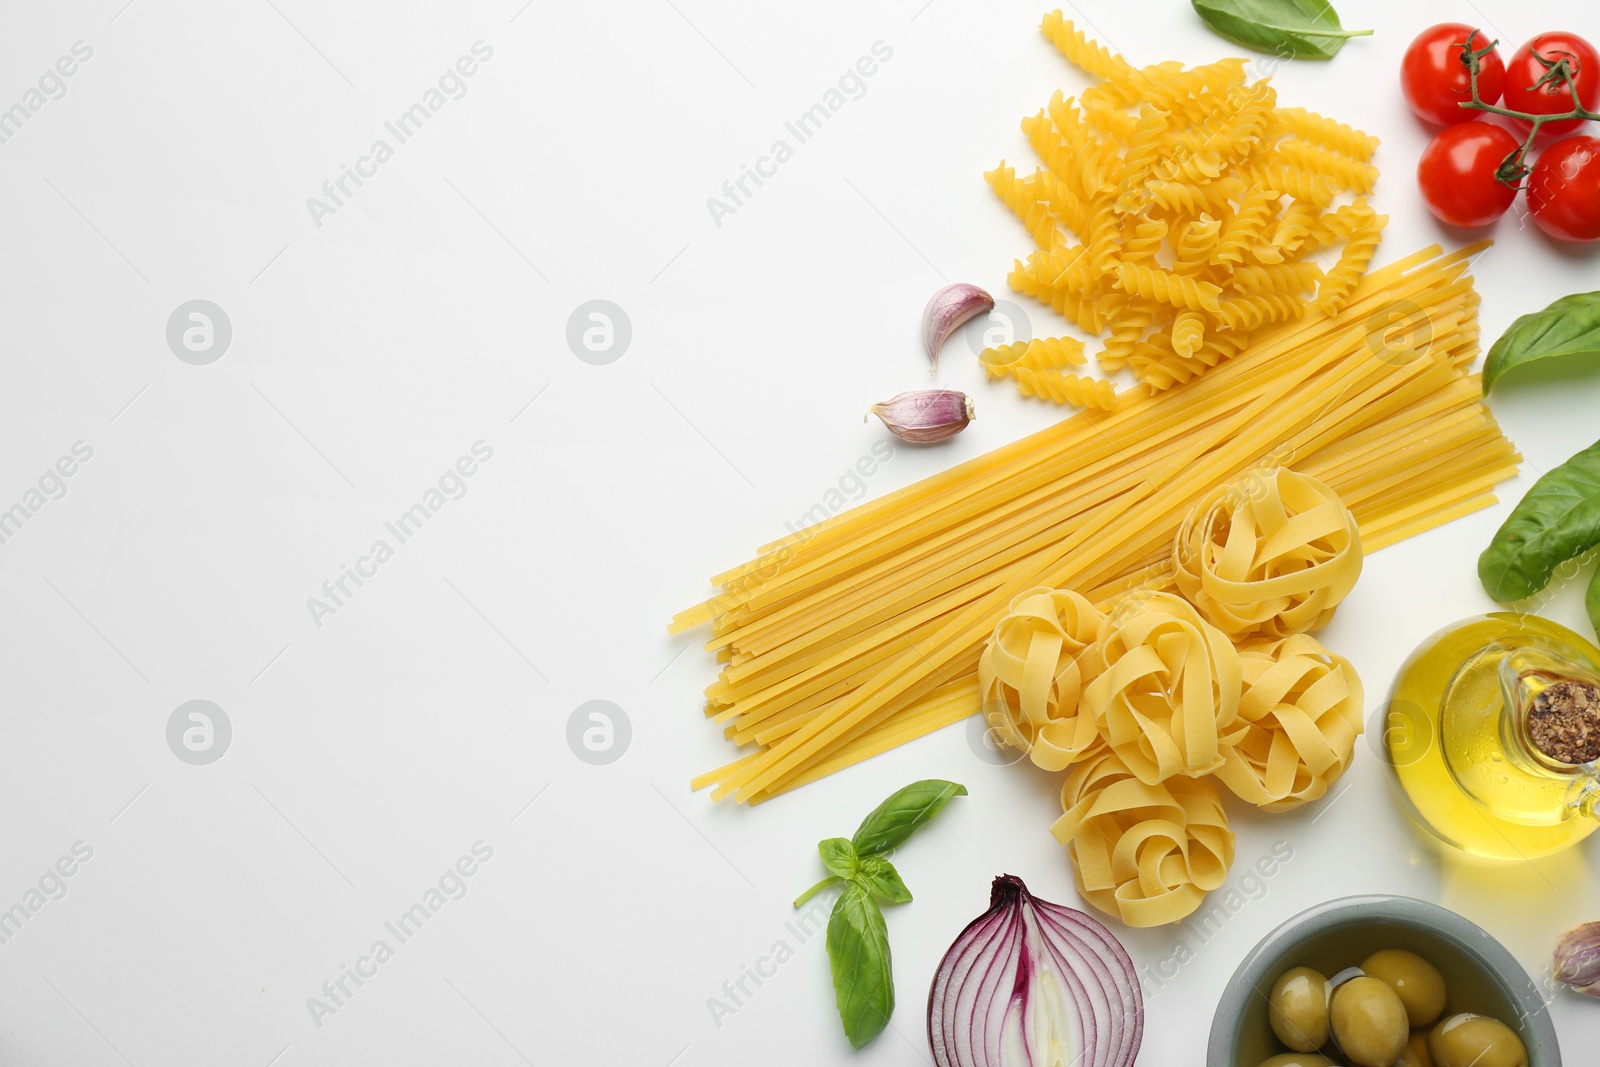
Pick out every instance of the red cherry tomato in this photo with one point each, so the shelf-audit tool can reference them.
(1564, 190)
(1457, 174)
(1437, 81)
(1529, 65)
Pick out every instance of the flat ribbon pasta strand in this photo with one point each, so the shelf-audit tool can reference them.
(1147, 854)
(1169, 693)
(1030, 676)
(1271, 554)
(1303, 708)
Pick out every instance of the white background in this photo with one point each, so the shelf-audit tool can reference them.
(370, 352)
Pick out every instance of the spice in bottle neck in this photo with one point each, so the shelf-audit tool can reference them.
(1563, 722)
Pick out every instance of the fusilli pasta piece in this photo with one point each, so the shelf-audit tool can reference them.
(1076, 389)
(1188, 331)
(1169, 288)
(1317, 129)
(1353, 259)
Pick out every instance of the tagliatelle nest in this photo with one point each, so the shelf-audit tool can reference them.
(1273, 553)
(1031, 675)
(1169, 692)
(1147, 854)
(1303, 708)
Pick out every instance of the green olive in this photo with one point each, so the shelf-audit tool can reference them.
(1369, 1022)
(1298, 1009)
(1418, 983)
(1468, 1040)
(1298, 1059)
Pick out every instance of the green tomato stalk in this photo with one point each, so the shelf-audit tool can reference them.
(1515, 167)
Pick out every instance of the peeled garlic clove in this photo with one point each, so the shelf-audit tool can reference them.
(1577, 959)
(947, 310)
(924, 416)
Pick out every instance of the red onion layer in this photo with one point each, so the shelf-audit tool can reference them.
(1033, 984)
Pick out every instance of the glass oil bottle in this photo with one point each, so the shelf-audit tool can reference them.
(1493, 735)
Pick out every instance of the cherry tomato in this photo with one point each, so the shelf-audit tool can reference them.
(1524, 93)
(1457, 174)
(1436, 81)
(1564, 190)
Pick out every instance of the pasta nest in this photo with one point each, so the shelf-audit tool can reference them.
(1302, 709)
(1271, 554)
(1147, 854)
(1030, 676)
(1165, 693)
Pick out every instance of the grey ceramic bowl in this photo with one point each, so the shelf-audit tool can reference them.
(1480, 974)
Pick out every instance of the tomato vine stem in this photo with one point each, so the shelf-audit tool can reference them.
(1514, 167)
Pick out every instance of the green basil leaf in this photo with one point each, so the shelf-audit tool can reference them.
(896, 818)
(839, 856)
(1568, 327)
(1591, 601)
(878, 876)
(858, 952)
(1297, 29)
(1557, 519)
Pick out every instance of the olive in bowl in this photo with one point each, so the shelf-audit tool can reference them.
(1480, 976)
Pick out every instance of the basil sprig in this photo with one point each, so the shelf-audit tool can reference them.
(858, 940)
(1296, 29)
(1568, 327)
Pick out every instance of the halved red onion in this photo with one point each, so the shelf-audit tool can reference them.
(1033, 984)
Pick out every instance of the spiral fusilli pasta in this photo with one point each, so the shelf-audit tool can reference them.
(1188, 332)
(1180, 208)
(1041, 353)
(1134, 316)
(1353, 259)
(1196, 241)
(1076, 389)
(1291, 279)
(1178, 290)
(1081, 52)
(1249, 310)
(1309, 126)
(1146, 854)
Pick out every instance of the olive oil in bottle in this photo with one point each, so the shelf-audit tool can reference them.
(1493, 734)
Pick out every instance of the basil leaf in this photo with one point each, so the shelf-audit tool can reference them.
(858, 952)
(1557, 519)
(1297, 29)
(1591, 601)
(839, 856)
(1568, 327)
(896, 818)
(877, 876)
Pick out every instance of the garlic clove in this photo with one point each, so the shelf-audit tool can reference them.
(947, 310)
(924, 416)
(1577, 959)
